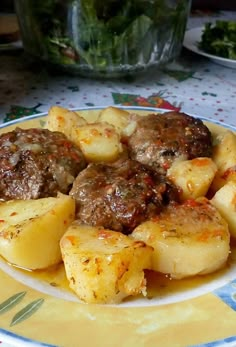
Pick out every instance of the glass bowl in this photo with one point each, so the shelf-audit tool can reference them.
(109, 38)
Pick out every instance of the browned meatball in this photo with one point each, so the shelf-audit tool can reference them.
(120, 197)
(159, 139)
(36, 163)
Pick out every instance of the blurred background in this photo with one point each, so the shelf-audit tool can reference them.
(8, 5)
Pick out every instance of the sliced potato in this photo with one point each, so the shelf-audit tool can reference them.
(224, 151)
(188, 239)
(224, 155)
(119, 118)
(63, 120)
(104, 266)
(221, 178)
(225, 201)
(30, 230)
(193, 177)
(98, 142)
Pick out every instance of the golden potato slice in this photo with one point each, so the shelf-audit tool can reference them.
(224, 151)
(225, 201)
(224, 155)
(104, 266)
(62, 120)
(98, 142)
(119, 118)
(193, 177)
(221, 178)
(115, 116)
(188, 239)
(30, 230)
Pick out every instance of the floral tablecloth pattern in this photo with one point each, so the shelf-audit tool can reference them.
(192, 84)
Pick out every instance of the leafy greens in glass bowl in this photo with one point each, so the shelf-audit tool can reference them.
(109, 38)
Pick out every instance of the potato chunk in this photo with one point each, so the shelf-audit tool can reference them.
(193, 177)
(188, 239)
(119, 118)
(104, 266)
(30, 230)
(225, 201)
(98, 142)
(224, 151)
(224, 155)
(63, 120)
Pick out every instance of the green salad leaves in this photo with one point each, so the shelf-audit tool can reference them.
(219, 39)
(103, 35)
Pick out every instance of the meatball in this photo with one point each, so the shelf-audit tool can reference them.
(37, 163)
(120, 197)
(158, 140)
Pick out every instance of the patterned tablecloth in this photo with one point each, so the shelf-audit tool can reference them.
(193, 84)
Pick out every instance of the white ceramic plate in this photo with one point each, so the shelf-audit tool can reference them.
(38, 311)
(193, 37)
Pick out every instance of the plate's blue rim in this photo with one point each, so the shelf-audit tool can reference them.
(13, 338)
(16, 339)
(138, 108)
(227, 342)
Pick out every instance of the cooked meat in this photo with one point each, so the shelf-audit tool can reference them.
(37, 163)
(120, 197)
(159, 140)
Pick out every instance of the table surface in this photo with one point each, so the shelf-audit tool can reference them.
(193, 83)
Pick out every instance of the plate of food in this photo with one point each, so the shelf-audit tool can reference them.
(117, 228)
(214, 41)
